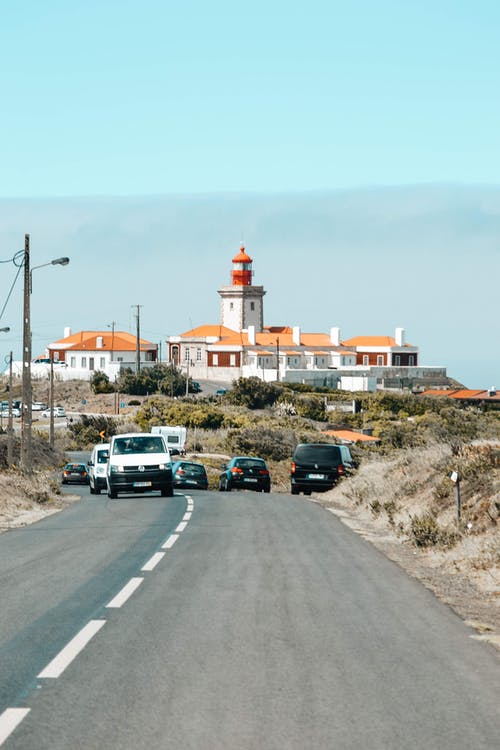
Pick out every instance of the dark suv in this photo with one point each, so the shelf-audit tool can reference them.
(316, 466)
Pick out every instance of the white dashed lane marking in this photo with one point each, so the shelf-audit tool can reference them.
(181, 526)
(153, 561)
(170, 541)
(125, 593)
(9, 720)
(57, 666)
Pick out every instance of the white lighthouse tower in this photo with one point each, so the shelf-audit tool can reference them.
(242, 303)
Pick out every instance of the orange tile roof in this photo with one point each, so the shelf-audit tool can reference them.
(370, 341)
(87, 340)
(208, 330)
(463, 394)
(351, 436)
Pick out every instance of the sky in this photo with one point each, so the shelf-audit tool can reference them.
(353, 147)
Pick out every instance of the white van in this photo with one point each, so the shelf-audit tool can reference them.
(139, 462)
(97, 468)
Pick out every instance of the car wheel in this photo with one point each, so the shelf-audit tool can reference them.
(267, 489)
(97, 490)
(167, 492)
(221, 486)
(307, 492)
(92, 490)
(295, 490)
(228, 486)
(112, 494)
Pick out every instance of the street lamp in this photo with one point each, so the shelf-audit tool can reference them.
(27, 398)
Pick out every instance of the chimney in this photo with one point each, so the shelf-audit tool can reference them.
(492, 391)
(99, 342)
(296, 335)
(400, 336)
(335, 336)
(67, 332)
(251, 335)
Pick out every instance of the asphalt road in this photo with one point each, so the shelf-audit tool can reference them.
(228, 621)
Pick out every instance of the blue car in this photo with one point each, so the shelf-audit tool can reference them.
(189, 475)
(245, 473)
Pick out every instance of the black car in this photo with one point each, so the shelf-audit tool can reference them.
(245, 473)
(189, 474)
(75, 474)
(316, 466)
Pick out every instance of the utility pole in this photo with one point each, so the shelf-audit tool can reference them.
(26, 452)
(51, 402)
(278, 359)
(138, 340)
(10, 427)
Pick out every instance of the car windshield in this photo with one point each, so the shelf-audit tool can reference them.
(75, 467)
(250, 463)
(102, 457)
(193, 468)
(138, 444)
(328, 454)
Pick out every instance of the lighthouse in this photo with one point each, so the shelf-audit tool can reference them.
(242, 302)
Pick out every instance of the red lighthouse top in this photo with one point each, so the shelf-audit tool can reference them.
(241, 274)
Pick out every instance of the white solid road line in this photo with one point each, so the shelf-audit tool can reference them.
(72, 649)
(125, 593)
(153, 561)
(9, 720)
(170, 541)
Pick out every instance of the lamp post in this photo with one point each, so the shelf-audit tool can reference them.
(27, 398)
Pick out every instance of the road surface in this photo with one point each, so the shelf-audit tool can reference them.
(219, 621)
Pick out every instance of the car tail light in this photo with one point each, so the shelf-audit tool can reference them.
(263, 471)
(236, 470)
(179, 472)
(65, 473)
(292, 468)
(341, 469)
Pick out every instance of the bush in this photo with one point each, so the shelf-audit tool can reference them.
(158, 411)
(253, 393)
(164, 379)
(267, 443)
(424, 531)
(99, 383)
(85, 431)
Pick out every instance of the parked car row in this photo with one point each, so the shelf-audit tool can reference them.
(43, 408)
(140, 462)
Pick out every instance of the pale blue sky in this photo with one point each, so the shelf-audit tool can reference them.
(117, 97)
(354, 146)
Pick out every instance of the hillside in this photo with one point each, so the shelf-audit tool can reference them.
(401, 498)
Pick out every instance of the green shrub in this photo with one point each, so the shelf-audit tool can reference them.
(85, 431)
(424, 531)
(99, 383)
(267, 443)
(253, 393)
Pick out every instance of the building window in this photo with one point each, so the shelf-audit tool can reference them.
(231, 306)
(119, 359)
(397, 360)
(232, 360)
(215, 360)
(72, 362)
(84, 361)
(380, 360)
(252, 305)
(411, 360)
(365, 360)
(198, 355)
(102, 362)
(186, 354)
